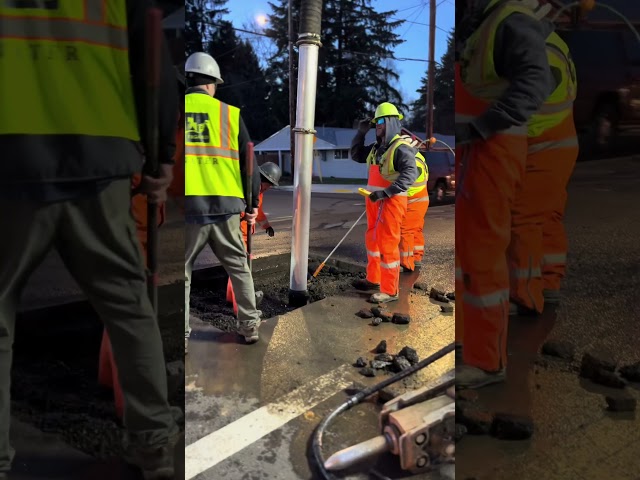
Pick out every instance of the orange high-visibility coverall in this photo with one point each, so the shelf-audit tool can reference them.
(107, 372)
(411, 231)
(261, 220)
(382, 239)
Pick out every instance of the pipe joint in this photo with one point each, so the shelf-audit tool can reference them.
(309, 39)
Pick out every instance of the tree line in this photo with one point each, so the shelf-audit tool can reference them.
(355, 66)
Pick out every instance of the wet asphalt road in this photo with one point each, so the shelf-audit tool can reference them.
(301, 368)
(575, 437)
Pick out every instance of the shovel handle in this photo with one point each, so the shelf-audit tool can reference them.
(320, 267)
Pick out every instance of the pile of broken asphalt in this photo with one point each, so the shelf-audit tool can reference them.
(597, 367)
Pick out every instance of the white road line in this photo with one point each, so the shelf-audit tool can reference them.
(207, 452)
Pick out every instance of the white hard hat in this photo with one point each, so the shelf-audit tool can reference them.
(203, 64)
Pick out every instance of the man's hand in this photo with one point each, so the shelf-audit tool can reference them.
(270, 231)
(251, 217)
(379, 195)
(365, 125)
(156, 188)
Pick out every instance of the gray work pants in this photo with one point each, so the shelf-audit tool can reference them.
(225, 239)
(96, 238)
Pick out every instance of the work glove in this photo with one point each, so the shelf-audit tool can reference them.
(379, 195)
(365, 125)
(270, 231)
(156, 188)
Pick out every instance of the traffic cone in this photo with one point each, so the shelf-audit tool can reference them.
(108, 373)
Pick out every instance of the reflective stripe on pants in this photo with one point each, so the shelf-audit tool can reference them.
(382, 240)
(483, 232)
(412, 230)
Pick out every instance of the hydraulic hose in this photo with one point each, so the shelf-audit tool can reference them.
(316, 444)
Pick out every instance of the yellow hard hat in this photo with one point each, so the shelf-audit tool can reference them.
(386, 109)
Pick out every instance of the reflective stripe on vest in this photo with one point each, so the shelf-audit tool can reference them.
(421, 182)
(212, 166)
(559, 105)
(79, 50)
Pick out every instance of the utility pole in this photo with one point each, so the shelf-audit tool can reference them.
(292, 85)
(432, 68)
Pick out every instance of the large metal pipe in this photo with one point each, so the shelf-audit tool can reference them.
(309, 44)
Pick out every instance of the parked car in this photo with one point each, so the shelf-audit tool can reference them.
(608, 74)
(441, 165)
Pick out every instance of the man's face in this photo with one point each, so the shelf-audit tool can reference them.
(381, 127)
(264, 186)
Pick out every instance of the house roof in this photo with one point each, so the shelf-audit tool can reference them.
(330, 138)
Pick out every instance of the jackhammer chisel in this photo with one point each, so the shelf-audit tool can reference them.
(154, 42)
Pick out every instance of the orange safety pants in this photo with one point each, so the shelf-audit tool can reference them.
(382, 240)
(539, 204)
(491, 172)
(411, 231)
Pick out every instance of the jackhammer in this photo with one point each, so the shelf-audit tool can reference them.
(418, 426)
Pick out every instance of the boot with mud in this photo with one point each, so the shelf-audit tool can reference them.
(155, 463)
(365, 285)
(468, 377)
(383, 298)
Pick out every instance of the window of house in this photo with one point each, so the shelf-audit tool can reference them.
(341, 154)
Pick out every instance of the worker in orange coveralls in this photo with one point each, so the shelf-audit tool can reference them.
(411, 230)
(392, 172)
(107, 373)
(505, 69)
(270, 174)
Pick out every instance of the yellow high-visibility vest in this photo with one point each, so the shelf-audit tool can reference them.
(421, 182)
(72, 59)
(482, 81)
(212, 157)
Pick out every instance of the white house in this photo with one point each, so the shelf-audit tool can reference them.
(332, 156)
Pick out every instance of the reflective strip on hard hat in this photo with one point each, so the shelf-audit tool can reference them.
(64, 30)
(484, 301)
(390, 265)
(550, 145)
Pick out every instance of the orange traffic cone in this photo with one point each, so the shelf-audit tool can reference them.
(231, 297)
(108, 373)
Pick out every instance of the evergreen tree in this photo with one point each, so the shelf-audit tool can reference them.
(353, 76)
(443, 96)
(201, 16)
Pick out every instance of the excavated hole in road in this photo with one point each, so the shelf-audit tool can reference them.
(55, 371)
(208, 298)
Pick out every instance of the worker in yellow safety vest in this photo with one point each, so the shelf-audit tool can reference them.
(411, 231)
(216, 192)
(538, 250)
(392, 172)
(69, 121)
